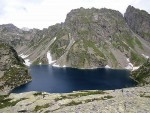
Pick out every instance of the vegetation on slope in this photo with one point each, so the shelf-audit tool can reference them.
(142, 75)
(15, 73)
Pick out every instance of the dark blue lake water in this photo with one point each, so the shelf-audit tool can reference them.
(62, 80)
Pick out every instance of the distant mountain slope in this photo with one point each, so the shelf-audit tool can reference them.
(89, 38)
(14, 36)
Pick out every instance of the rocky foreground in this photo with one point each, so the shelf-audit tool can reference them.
(128, 100)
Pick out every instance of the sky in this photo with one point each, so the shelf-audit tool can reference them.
(43, 13)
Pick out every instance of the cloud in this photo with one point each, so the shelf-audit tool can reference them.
(43, 13)
(2, 6)
(142, 4)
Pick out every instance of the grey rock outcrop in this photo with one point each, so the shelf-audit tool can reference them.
(128, 100)
(139, 21)
(13, 72)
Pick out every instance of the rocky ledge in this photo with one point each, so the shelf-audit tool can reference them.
(133, 100)
(13, 72)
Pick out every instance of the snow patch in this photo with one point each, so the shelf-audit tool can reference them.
(130, 66)
(107, 66)
(135, 68)
(23, 56)
(64, 65)
(56, 65)
(145, 56)
(25, 29)
(49, 57)
(27, 62)
(128, 60)
(54, 38)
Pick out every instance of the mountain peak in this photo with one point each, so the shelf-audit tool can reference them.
(8, 27)
(89, 38)
(138, 20)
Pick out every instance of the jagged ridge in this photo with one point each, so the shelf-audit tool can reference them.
(89, 38)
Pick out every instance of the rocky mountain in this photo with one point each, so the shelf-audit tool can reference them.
(139, 21)
(13, 72)
(14, 36)
(89, 38)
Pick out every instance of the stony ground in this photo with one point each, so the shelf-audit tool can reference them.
(128, 100)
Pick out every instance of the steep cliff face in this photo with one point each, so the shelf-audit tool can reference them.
(13, 72)
(139, 21)
(89, 38)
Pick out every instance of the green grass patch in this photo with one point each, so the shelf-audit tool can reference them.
(125, 46)
(2, 45)
(91, 44)
(37, 94)
(61, 98)
(108, 97)
(87, 93)
(102, 98)
(61, 33)
(142, 75)
(114, 60)
(138, 43)
(137, 59)
(59, 46)
(83, 33)
(80, 94)
(143, 95)
(72, 103)
(125, 36)
(7, 102)
(37, 108)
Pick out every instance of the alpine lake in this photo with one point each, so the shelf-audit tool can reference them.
(51, 79)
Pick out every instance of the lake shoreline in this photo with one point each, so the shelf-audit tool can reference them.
(68, 79)
(79, 68)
